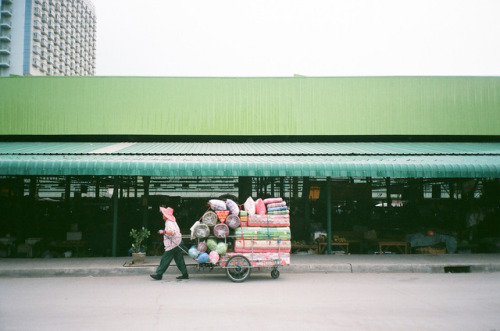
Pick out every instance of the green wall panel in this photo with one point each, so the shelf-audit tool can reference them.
(250, 106)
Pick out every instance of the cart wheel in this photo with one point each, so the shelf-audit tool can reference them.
(275, 273)
(238, 268)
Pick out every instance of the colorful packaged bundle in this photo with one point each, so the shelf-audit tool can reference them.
(261, 246)
(243, 218)
(273, 233)
(269, 220)
(277, 204)
(273, 200)
(277, 208)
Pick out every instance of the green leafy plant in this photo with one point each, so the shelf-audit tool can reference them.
(139, 236)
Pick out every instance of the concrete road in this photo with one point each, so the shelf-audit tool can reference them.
(294, 302)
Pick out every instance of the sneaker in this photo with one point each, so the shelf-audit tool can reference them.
(183, 277)
(156, 276)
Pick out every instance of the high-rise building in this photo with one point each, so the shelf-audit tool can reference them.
(47, 37)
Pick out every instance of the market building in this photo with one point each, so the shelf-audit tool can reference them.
(366, 164)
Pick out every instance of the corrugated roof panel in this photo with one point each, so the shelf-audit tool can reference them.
(50, 147)
(229, 165)
(252, 148)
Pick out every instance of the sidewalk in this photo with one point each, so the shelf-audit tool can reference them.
(390, 263)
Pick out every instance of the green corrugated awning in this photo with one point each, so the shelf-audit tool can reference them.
(433, 160)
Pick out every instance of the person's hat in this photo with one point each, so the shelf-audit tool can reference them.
(168, 213)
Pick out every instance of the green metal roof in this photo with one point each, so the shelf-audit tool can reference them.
(259, 159)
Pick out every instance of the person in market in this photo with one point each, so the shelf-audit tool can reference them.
(172, 238)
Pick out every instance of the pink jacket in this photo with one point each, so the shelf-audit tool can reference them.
(170, 242)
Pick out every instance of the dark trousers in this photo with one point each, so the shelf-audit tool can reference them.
(167, 257)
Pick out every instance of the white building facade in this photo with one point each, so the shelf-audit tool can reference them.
(47, 37)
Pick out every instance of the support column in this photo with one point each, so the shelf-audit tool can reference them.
(116, 188)
(67, 193)
(295, 187)
(33, 187)
(305, 201)
(244, 188)
(388, 191)
(146, 180)
(97, 187)
(329, 215)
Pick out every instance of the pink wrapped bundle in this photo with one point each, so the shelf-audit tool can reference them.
(273, 200)
(276, 204)
(213, 257)
(260, 207)
(269, 220)
(262, 246)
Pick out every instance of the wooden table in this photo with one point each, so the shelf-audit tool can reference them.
(300, 248)
(342, 245)
(401, 246)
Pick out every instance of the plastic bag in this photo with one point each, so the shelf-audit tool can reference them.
(217, 204)
(221, 248)
(233, 207)
(260, 207)
(202, 246)
(233, 221)
(250, 206)
(211, 244)
(193, 252)
(203, 258)
(213, 257)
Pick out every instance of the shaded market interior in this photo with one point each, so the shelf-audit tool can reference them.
(43, 214)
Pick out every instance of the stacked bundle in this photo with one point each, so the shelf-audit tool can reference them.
(243, 218)
(266, 243)
(276, 206)
(265, 233)
(277, 213)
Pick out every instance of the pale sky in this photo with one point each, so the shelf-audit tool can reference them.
(286, 37)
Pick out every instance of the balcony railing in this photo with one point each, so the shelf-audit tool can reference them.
(5, 50)
(5, 37)
(6, 12)
(5, 63)
(5, 24)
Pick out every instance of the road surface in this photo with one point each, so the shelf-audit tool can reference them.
(468, 301)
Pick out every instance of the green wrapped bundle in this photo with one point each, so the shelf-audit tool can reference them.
(212, 244)
(221, 248)
(273, 233)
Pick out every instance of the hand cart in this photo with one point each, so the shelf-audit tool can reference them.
(238, 266)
